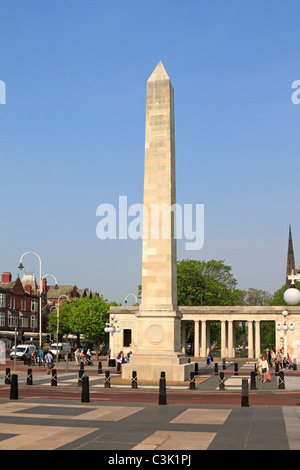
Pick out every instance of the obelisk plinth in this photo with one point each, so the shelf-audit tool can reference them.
(158, 319)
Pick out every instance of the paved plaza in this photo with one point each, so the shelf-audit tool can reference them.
(47, 417)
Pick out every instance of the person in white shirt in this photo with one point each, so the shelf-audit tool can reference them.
(264, 369)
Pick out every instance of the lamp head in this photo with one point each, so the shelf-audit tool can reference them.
(20, 266)
(292, 296)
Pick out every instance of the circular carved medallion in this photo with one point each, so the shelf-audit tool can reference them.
(155, 334)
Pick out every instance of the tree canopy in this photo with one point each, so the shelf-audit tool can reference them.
(86, 316)
(206, 283)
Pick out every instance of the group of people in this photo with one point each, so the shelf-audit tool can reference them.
(83, 358)
(270, 359)
(121, 358)
(284, 361)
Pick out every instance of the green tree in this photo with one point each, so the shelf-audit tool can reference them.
(84, 316)
(255, 297)
(206, 283)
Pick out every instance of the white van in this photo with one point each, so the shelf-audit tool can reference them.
(61, 348)
(23, 351)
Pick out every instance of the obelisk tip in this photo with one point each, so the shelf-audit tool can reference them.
(159, 73)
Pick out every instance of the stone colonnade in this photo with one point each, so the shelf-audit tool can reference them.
(202, 338)
(201, 318)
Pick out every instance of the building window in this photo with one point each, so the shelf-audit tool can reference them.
(12, 302)
(33, 321)
(23, 322)
(2, 300)
(23, 304)
(12, 319)
(2, 319)
(34, 306)
(126, 338)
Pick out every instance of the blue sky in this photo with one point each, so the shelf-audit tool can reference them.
(73, 127)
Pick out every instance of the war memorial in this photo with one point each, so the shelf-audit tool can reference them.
(155, 331)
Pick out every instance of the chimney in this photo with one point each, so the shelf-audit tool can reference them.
(6, 277)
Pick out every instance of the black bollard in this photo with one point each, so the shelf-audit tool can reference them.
(53, 378)
(216, 368)
(29, 377)
(118, 367)
(14, 393)
(253, 381)
(245, 398)
(85, 393)
(81, 366)
(7, 377)
(192, 381)
(281, 382)
(80, 375)
(255, 369)
(162, 398)
(196, 369)
(221, 381)
(224, 364)
(107, 379)
(236, 368)
(277, 369)
(100, 368)
(134, 380)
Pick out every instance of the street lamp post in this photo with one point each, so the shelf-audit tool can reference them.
(57, 323)
(111, 329)
(133, 296)
(292, 295)
(62, 295)
(41, 291)
(285, 329)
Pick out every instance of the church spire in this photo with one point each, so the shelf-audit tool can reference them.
(290, 266)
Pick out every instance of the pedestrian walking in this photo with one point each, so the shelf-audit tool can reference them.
(264, 369)
(269, 357)
(77, 353)
(48, 362)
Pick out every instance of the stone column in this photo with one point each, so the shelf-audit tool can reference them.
(250, 340)
(196, 338)
(230, 339)
(183, 336)
(203, 351)
(257, 338)
(223, 338)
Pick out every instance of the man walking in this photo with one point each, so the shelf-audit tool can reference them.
(48, 360)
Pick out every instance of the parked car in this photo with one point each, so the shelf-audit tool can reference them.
(22, 352)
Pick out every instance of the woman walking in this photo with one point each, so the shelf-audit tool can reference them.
(264, 369)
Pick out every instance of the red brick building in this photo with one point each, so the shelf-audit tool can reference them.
(19, 309)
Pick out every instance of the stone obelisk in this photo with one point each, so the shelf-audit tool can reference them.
(158, 319)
